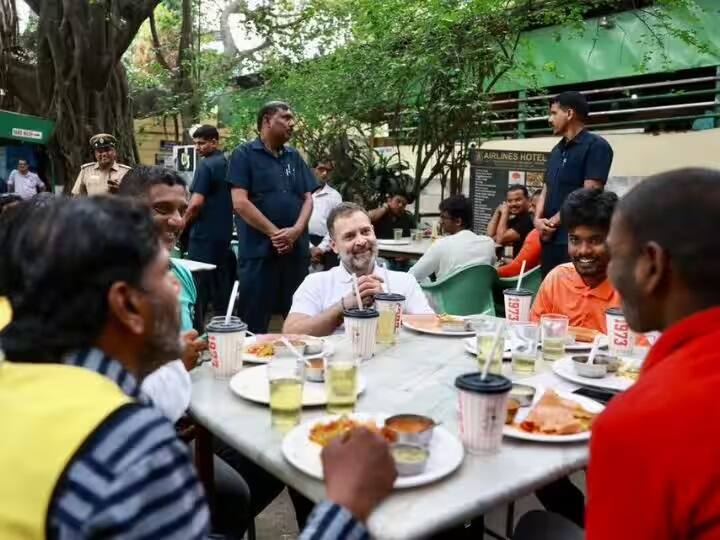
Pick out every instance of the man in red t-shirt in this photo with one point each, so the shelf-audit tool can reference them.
(654, 471)
(654, 456)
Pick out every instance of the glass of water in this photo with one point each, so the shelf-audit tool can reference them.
(486, 328)
(554, 336)
(341, 376)
(285, 376)
(524, 338)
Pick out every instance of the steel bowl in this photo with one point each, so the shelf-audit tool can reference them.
(314, 346)
(410, 467)
(283, 351)
(413, 429)
(315, 372)
(523, 394)
(596, 370)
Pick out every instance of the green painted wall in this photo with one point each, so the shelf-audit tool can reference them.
(559, 56)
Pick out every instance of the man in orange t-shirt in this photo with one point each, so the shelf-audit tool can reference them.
(580, 289)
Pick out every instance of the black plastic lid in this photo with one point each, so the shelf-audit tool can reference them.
(217, 325)
(614, 311)
(493, 384)
(518, 292)
(390, 297)
(355, 313)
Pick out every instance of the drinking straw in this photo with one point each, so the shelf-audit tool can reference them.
(594, 350)
(231, 303)
(293, 350)
(496, 342)
(357, 292)
(522, 272)
(387, 277)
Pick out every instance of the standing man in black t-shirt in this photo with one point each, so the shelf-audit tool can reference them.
(392, 215)
(271, 188)
(580, 160)
(512, 220)
(209, 216)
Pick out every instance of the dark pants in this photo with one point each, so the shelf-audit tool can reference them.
(564, 498)
(553, 255)
(538, 525)
(330, 260)
(243, 489)
(267, 286)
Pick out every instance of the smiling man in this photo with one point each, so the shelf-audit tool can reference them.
(581, 289)
(105, 175)
(318, 304)
(512, 221)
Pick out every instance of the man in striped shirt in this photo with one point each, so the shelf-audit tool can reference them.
(83, 454)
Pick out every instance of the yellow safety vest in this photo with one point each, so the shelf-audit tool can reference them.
(46, 412)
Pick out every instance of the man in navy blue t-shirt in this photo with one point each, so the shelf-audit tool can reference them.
(580, 160)
(209, 216)
(271, 188)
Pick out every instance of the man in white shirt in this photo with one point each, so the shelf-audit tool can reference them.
(24, 182)
(324, 200)
(461, 247)
(319, 302)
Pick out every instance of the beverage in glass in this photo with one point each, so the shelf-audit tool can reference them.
(523, 345)
(389, 305)
(485, 331)
(285, 376)
(397, 234)
(341, 384)
(554, 330)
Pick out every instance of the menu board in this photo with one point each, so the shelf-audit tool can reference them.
(492, 171)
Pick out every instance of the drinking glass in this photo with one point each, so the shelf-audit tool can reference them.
(285, 376)
(554, 336)
(485, 328)
(524, 339)
(341, 374)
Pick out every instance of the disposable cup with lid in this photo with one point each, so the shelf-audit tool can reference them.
(389, 306)
(621, 340)
(360, 329)
(517, 304)
(482, 410)
(226, 342)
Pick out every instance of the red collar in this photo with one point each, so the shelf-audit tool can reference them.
(688, 329)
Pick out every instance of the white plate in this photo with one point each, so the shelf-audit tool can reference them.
(328, 350)
(588, 404)
(392, 242)
(565, 369)
(252, 384)
(436, 332)
(446, 452)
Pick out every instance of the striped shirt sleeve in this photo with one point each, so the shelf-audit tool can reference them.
(329, 521)
(136, 481)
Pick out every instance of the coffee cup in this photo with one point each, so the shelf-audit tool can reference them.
(361, 328)
(517, 304)
(389, 306)
(621, 340)
(226, 341)
(482, 410)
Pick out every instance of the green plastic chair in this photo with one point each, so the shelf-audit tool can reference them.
(531, 281)
(467, 291)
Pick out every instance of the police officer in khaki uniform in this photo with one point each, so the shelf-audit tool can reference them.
(105, 174)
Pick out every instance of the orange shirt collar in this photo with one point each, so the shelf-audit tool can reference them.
(604, 291)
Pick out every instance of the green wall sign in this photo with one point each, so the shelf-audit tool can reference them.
(23, 127)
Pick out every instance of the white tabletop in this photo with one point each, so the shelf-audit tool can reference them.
(415, 248)
(416, 375)
(195, 266)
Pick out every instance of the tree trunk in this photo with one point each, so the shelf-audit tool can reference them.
(77, 79)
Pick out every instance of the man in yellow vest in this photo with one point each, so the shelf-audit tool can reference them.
(82, 456)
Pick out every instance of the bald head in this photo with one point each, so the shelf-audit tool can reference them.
(679, 210)
(665, 247)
